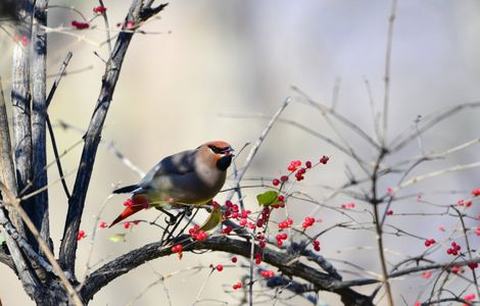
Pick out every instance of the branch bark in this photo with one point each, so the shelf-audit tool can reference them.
(20, 95)
(127, 262)
(39, 113)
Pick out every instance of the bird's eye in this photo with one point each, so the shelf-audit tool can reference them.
(218, 150)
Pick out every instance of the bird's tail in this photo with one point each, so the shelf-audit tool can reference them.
(132, 205)
(126, 189)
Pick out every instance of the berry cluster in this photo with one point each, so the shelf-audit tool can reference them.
(280, 237)
(469, 297)
(316, 245)
(456, 269)
(429, 242)
(99, 9)
(267, 274)
(80, 25)
(295, 167)
(350, 205)
(308, 222)
(178, 249)
(454, 250)
(263, 219)
(197, 234)
(285, 224)
(237, 285)
(466, 203)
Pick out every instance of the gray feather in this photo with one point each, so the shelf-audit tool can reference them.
(178, 164)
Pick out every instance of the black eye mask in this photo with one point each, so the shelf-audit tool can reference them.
(224, 162)
(218, 150)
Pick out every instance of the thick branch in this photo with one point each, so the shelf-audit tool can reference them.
(39, 113)
(7, 172)
(136, 15)
(25, 274)
(125, 263)
(43, 246)
(20, 95)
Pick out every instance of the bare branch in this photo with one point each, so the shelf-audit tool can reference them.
(49, 124)
(431, 120)
(44, 247)
(387, 76)
(137, 14)
(39, 114)
(346, 122)
(422, 177)
(7, 172)
(256, 146)
(125, 263)
(20, 97)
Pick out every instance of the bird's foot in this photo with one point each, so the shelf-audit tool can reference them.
(172, 219)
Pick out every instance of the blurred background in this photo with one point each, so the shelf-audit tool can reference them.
(206, 61)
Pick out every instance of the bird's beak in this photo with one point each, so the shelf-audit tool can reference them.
(229, 152)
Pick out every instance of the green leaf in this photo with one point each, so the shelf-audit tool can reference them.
(267, 198)
(120, 237)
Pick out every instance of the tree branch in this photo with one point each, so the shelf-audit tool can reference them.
(39, 113)
(14, 203)
(20, 96)
(137, 14)
(50, 128)
(127, 262)
(7, 172)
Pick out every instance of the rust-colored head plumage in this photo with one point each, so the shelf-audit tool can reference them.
(218, 152)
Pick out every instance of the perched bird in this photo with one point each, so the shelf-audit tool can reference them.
(191, 177)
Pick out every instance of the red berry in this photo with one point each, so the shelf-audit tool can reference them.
(81, 234)
(219, 267)
(267, 274)
(237, 285)
(276, 182)
(234, 259)
(227, 230)
(308, 164)
(324, 159)
(307, 222)
(99, 9)
(80, 25)
(284, 178)
(178, 248)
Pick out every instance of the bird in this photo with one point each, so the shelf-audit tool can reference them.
(191, 177)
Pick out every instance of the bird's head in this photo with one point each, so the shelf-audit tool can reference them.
(219, 152)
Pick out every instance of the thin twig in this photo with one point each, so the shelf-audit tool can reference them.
(258, 143)
(387, 75)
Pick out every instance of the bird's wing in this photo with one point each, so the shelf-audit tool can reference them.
(178, 164)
